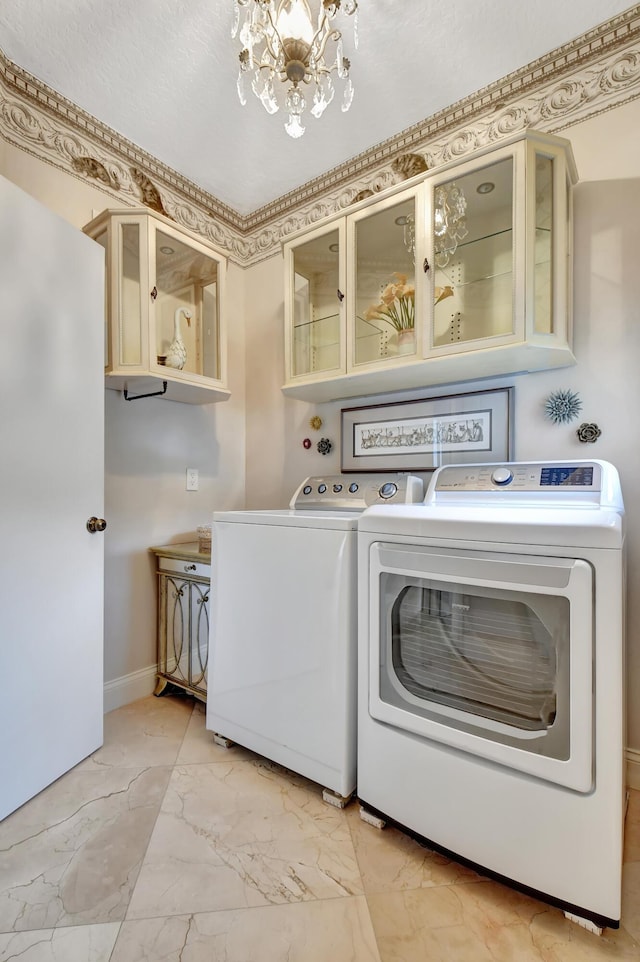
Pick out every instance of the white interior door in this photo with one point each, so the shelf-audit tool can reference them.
(51, 482)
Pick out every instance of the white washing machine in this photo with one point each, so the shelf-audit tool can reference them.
(491, 666)
(283, 637)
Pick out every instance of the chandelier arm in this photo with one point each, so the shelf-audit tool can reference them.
(332, 35)
(268, 37)
(326, 69)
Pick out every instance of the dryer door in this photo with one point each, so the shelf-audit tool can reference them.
(488, 653)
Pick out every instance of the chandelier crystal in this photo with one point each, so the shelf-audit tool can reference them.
(284, 43)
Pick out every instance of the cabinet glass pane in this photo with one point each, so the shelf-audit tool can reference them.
(473, 252)
(385, 284)
(129, 314)
(176, 615)
(199, 638)
(544, 233)
(102, 239)
(316, 308)
(186, 308)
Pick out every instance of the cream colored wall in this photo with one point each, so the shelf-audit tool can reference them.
(149, 444)
(606, 342)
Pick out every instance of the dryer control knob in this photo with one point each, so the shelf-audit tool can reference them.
(502, 476)
(388, 489)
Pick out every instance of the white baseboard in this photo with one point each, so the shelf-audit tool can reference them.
(633, 768)
(122, 691)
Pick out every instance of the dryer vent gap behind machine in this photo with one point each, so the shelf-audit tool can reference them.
(491, 661)
(283, 640)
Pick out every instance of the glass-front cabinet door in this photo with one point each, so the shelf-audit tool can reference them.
(473, 256)
(499, 247)
(164, 296)
(383, 298)
(314, 303)
(186, 308)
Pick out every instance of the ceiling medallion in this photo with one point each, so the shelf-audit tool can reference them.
(282, 41)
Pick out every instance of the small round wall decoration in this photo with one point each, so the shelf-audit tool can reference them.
(306, 444)
(315, 423)
(562, 406)
(588, 433)
(324, 446)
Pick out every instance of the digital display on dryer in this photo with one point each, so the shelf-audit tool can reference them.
(566, 475)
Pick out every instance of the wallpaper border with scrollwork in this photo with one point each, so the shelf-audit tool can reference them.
(595, 73)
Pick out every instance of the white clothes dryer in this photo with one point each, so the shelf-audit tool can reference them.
(491, 661)
(283, 636)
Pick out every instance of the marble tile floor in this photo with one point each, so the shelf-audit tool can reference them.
(164, 847)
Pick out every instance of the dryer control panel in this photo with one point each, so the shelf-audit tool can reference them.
(356, 492)
(521, 477)
(583, 482)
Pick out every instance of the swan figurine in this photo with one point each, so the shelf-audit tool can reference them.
(177, 352)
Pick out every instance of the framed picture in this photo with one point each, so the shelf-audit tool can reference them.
(423, 434)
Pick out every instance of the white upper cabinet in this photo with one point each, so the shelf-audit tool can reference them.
(165, 330)
(460, 274)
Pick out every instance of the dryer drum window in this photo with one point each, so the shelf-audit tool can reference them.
(494, 657)
(487, 660)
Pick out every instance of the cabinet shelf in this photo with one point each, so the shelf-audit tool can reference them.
(468, 364)
(188, 392)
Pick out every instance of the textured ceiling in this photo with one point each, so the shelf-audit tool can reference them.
(163, 74)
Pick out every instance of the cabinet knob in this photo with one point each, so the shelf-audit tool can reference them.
(340, 295)
(426, 266)
(189, 567)
(96, 524)
(153, 294)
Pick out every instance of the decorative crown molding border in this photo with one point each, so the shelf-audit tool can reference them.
(595, 73)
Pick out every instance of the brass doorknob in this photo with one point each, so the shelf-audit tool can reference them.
(96, 524)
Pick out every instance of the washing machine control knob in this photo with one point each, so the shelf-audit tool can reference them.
(502, 476)
(353, 487)
(388, 489)
(307, 489)
(322, 488)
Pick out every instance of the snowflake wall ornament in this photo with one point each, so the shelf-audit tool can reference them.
(562, 406)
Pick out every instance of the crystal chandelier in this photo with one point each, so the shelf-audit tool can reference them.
(449, 221)
(280, 43)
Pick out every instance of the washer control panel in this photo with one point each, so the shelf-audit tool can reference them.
(554, 478)
(357, 492)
